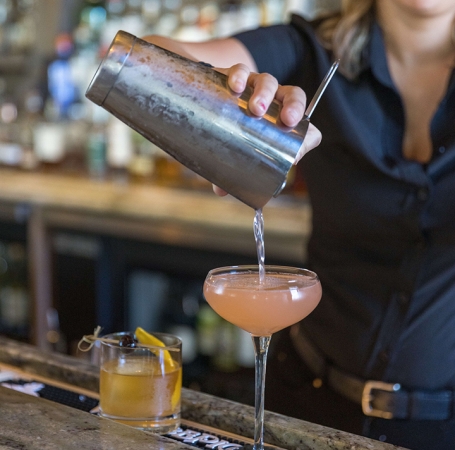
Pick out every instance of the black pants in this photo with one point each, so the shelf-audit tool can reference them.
(290, 391)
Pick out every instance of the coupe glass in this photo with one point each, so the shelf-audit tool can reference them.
(262, 306)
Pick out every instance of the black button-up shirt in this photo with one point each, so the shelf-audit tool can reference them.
(383, 238)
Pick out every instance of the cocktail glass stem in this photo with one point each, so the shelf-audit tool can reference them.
(261, 347)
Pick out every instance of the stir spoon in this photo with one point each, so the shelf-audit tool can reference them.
(317, 96)
(305, 122)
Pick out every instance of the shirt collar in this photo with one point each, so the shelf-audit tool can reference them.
(375, 57)
(376, 60)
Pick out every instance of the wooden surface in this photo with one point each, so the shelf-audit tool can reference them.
(170, 216)
(36, 424)
(174, 216)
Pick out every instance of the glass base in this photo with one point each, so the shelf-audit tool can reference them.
(251, 447)
(159, 425)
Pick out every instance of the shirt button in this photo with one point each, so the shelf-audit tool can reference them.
(422, 194)
(441, 149)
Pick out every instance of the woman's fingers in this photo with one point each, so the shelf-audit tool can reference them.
(265, 90)
(264, 86)
(237, 77)
(294, 102)
(219, 191)
(312, 139)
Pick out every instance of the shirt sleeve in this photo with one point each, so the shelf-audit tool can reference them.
(276, 49)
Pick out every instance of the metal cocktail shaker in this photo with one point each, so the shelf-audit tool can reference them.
(187, 110)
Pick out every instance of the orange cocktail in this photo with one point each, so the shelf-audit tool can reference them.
(262, 300)
(141, 387)
(263, 308)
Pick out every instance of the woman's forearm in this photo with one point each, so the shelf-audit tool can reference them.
(220, 53)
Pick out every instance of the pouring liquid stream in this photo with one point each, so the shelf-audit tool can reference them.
(261, 341)
(258, 225)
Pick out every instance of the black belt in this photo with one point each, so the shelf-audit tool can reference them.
(377, 398)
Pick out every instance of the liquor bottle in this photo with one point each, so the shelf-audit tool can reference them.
(207, 323)
(96, 151)
(14, 294)
(50, 134)
(142, 164)
(11, 153)
(168, 171)
(115, 8)
(273, 12)
(151, 12)
(31, 114)
(119, 149)
(229, 18)
(225, 357)
(92, 20)
(49, 144)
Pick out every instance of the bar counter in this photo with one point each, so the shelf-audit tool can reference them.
(31, 423)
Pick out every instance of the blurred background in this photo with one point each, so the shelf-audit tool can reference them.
(64, 271)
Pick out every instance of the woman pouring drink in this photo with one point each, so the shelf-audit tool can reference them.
(377, 356)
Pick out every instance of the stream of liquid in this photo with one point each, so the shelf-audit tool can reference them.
(259, 237)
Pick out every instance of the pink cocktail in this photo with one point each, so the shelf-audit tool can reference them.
(262, 306)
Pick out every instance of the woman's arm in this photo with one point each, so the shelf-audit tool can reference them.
(217, 52)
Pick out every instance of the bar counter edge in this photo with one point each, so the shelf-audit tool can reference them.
(232, 417)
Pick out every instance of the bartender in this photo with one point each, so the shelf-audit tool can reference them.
(377, 356)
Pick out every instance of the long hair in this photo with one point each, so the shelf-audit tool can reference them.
(347, 32)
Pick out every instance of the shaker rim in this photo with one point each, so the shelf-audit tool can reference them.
(110, 67)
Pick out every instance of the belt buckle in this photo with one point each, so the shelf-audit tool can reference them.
(367, 397)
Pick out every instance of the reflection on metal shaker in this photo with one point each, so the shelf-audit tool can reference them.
(187, 110)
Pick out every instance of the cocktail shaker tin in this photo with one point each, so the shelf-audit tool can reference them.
(188, 110)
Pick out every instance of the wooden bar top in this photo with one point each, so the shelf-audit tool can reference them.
(146, 211)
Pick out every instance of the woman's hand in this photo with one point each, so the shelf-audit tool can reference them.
(265, 90)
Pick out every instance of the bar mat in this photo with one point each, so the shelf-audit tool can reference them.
(68, 398)
(198, 437)
(55, 394)
(190, 435)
